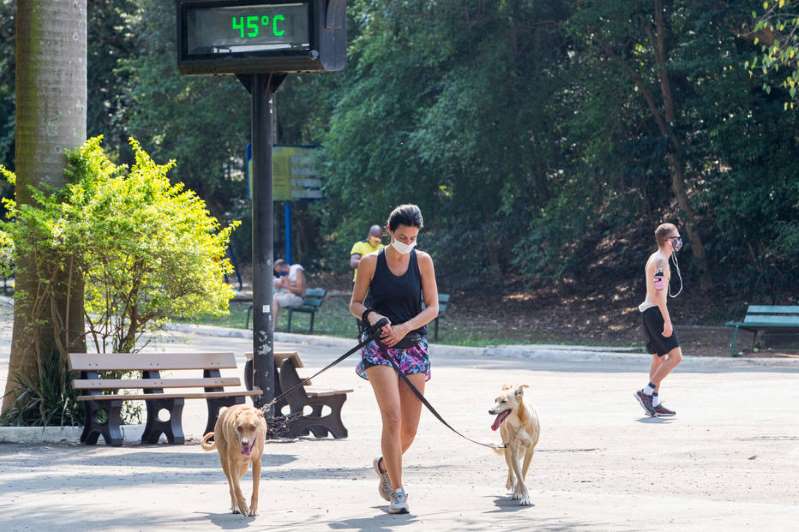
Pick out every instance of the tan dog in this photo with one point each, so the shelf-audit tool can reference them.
(239, 436)
(519, 428)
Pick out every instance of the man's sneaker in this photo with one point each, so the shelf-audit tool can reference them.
(662, 411)
(384, 488)
(646, 402)
(399, 502)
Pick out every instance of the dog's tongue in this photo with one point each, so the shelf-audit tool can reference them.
(499, 419)
(246, 450)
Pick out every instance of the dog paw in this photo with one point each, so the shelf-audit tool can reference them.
(515, 495)
(243, 509)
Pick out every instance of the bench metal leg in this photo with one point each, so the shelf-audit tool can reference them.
(312, 317)
(320, 425)
(734, 343)
(291, 313)
(213, 409)
(435, 334)
(110, 429)
(247, 320)
(172, 429)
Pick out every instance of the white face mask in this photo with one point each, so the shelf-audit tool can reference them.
(401, 247)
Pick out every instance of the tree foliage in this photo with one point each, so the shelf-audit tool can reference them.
(145, 248)
(776, 32)
(538, 137)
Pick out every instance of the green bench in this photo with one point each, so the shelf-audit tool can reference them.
(764, 318)
(311, 302)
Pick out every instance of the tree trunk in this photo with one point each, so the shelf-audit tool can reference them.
(50, 117)
(674, 157)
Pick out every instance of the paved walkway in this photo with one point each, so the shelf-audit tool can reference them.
(728, 462)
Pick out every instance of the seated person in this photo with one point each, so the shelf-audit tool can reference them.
(289, 285)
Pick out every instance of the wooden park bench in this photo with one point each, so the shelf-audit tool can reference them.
(318, 422)
(293, 405)
(311, 301)
(279, 356)
(100, 387)
(764, 318)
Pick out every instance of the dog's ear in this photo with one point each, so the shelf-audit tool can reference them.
(520, 390)
(260, 413)
(506, 387)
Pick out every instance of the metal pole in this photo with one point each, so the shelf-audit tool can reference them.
(262, 238)
(287, 230)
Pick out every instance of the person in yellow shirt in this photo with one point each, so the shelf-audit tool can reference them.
(362, 248)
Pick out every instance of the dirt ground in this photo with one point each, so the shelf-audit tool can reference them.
(514, 314)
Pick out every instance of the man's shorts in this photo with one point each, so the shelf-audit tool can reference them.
(285, 299)
(653, 332)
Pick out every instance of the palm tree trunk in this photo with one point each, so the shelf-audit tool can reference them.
(50, 117)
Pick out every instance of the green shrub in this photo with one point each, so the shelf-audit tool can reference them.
(141, 248)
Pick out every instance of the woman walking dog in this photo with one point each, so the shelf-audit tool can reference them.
(397, 279)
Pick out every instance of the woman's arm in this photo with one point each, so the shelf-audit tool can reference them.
(430, 295)
(366, 270)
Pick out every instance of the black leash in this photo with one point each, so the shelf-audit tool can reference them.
(303, 382)
(370, 332)
(433, 411)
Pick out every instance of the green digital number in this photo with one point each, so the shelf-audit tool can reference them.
(275, 31)
(238, 25)
(252, 25)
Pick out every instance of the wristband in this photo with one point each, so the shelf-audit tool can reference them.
(365, 315)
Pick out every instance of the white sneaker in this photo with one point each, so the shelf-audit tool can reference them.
(384, 488)
(399, 502)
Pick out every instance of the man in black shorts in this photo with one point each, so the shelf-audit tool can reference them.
(661, 339)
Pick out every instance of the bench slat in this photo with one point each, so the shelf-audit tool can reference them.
(281, 356)
(772, 309)
(146, 396)
(771, 321)
(324, 392)
(150, 361)
(118, 384)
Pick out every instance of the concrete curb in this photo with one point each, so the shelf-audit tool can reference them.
(70, 435)
(537, 353)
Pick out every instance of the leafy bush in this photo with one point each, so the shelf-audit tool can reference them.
(140, 248)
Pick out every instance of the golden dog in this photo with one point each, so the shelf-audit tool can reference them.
(239, 436)
(520, 429)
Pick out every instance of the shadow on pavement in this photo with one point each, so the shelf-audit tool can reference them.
(383, 522)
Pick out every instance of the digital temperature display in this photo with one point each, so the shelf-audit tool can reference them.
(247, 28)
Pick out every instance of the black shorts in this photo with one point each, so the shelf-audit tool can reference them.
(653, 332)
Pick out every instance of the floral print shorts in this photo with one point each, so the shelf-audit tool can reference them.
(411, 361)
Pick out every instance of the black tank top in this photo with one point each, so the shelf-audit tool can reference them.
(399, 298)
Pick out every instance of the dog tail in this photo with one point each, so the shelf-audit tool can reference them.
(206, 444)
